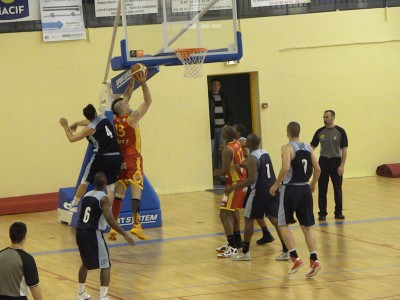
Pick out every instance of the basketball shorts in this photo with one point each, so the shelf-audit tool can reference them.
(93, 249)
(235, 199)
(260, 202)
(133, 174)
(295, 199)
(108, 164)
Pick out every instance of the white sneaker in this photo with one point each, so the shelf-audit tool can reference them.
(84, 295)
(223, 248)
(70, 207)
(241, 256)
(283, 256)
(228, 253)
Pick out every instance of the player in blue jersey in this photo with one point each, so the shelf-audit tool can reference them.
(106, 158)
(258, 201)
(94, 214)
(298, 164)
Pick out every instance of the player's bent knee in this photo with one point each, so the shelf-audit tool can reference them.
(119, 196)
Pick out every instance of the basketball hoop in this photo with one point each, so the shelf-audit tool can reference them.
(192, 59)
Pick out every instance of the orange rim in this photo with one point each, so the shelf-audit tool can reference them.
(190, 50)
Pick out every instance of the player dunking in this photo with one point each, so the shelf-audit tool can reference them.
(126, 123)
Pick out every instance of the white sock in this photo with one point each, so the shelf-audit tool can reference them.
(75, 201)
(81, 288)
(103, 291)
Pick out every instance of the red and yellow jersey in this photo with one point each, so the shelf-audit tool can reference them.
(128, 138)
(238, 157)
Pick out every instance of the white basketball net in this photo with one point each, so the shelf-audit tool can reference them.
(192, 59)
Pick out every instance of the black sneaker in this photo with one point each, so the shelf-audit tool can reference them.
(321, 218)
(339, 217)
(266, 238)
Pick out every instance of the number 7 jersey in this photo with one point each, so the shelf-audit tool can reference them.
(301, 165)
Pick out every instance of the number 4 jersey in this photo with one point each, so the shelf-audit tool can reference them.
(103, 140)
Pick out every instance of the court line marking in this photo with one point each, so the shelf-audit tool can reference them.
(305, 281)
(207, 235)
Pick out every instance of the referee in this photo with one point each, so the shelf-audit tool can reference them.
(333, 154)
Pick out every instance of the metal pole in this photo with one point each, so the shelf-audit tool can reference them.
(116, 21)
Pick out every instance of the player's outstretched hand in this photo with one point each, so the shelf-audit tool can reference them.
(129, 239)
(63, 122)
(141, 77)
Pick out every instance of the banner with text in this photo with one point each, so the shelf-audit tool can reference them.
(261, 3)
(108, 8)
(19, 10)
(198, 5)
(62, 20)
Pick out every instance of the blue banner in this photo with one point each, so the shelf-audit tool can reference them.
(120, 82)
(13, 9)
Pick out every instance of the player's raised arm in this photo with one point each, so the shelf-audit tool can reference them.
(82, 123)
(77, 136)
(137, 114)
(129, 89)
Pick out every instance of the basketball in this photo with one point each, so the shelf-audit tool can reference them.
(137, 69)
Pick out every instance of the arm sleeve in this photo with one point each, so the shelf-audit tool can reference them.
(30, 270)
(343, 142)
(315, 139)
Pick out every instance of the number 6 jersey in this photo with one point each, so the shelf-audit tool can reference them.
(91, 214)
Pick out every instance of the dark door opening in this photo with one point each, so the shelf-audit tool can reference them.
(237, 89)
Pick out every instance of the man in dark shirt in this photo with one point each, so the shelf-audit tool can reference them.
(18, 271)
(220, 116)
(332, 159)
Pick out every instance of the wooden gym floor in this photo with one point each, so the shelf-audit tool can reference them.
(360, 257)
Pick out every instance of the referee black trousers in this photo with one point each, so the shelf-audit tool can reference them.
(329, 168)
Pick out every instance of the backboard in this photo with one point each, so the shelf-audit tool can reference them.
(175, 24)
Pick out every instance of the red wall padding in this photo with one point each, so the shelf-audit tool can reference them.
(26, 204)
(389, 170)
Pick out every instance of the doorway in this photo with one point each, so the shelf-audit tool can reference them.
(242, 92)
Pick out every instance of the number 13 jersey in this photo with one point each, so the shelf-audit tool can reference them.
(128, 138)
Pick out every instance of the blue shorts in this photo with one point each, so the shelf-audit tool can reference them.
(296, 199)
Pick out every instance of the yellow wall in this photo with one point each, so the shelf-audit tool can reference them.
(42, 82)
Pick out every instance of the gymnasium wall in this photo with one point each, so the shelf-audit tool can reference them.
(345, 65)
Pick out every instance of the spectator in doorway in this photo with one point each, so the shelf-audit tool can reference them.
(220, 116)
